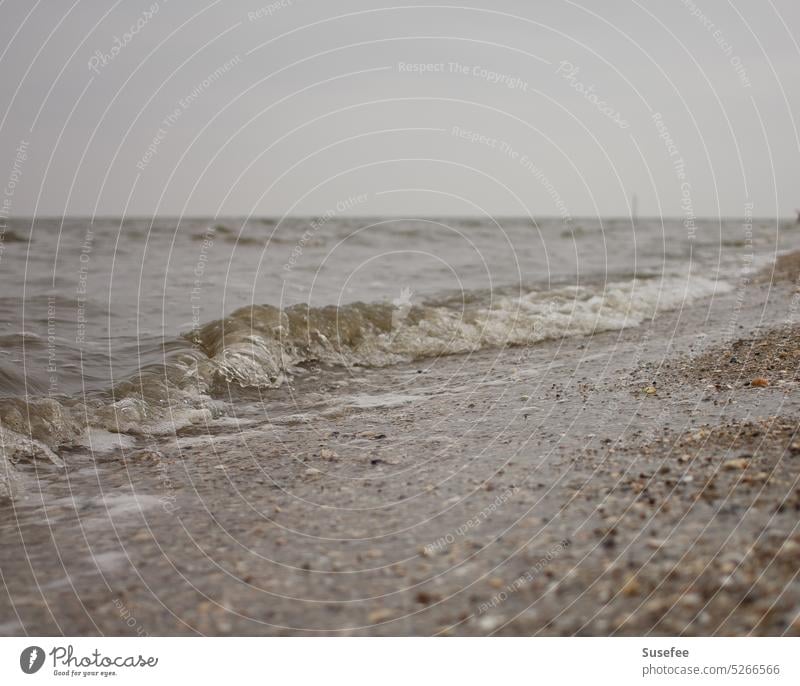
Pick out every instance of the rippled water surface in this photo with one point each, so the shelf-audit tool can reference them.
(125, 324)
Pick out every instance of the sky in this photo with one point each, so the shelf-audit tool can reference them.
(307, 107)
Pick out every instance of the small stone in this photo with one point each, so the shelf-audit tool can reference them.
(657, 606)
(656, 543)
(380, 615)
(738, 463)
(690, 600)
(425, 598)
(632, 587)
(490, 622)
(758, 477)
(328, 454)
(650, 390)
(372, 435)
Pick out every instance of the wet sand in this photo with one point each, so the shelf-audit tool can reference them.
(634, 482)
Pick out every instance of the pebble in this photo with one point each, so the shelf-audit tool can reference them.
(380, 615)
(425, 598)
(690, 600)
(632, 587)
(373, 435)
(490, 622)
(738, 463)
(656, 543)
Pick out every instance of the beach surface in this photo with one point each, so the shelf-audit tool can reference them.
(641, 481)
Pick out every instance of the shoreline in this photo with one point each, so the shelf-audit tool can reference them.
(324, 519)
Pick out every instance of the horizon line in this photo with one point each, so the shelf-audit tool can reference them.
(397, 216)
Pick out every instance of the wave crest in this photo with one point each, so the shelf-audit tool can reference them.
(263, 346)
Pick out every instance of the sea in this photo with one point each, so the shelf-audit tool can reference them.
(115, 331)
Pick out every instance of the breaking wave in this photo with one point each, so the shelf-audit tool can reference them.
(263, 346)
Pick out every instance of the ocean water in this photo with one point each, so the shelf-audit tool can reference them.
(123, 328)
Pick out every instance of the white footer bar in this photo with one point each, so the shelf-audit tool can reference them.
(401, 661)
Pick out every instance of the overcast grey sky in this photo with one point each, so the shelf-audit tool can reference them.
(507, 107)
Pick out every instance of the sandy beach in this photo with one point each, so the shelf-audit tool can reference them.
(640, 482)
(427, 320)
